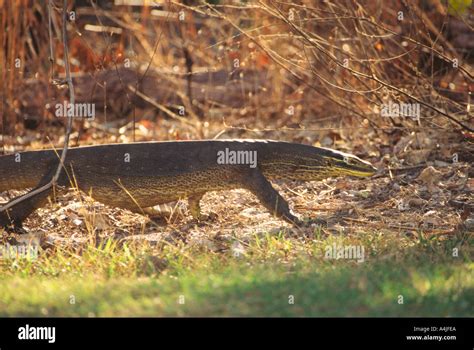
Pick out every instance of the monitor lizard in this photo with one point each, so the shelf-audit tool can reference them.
(144, 174)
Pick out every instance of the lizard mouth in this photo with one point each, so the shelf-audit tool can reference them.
(366, 171)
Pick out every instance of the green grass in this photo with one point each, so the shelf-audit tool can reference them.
(142, 280)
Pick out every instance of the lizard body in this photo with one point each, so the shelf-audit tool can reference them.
(141, 175)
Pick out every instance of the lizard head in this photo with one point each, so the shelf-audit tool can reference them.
(308, 163)
(317, 163)
(348, 164)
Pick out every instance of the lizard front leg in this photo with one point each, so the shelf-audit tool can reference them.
(269, 197)
(194, 207)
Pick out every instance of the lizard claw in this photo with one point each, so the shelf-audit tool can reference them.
(311, 222)
(10, 224)
(209, 217)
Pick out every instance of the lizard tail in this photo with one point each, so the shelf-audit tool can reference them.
(23, 169)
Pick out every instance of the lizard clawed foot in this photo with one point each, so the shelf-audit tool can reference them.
(207, 217)
(195, 209)
(14, 228)
(317, 222)
(11, 224)
(310, 222)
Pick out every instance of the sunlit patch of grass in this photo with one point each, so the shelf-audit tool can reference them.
(272, 270)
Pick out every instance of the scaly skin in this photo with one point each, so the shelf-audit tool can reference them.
(141, 175)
